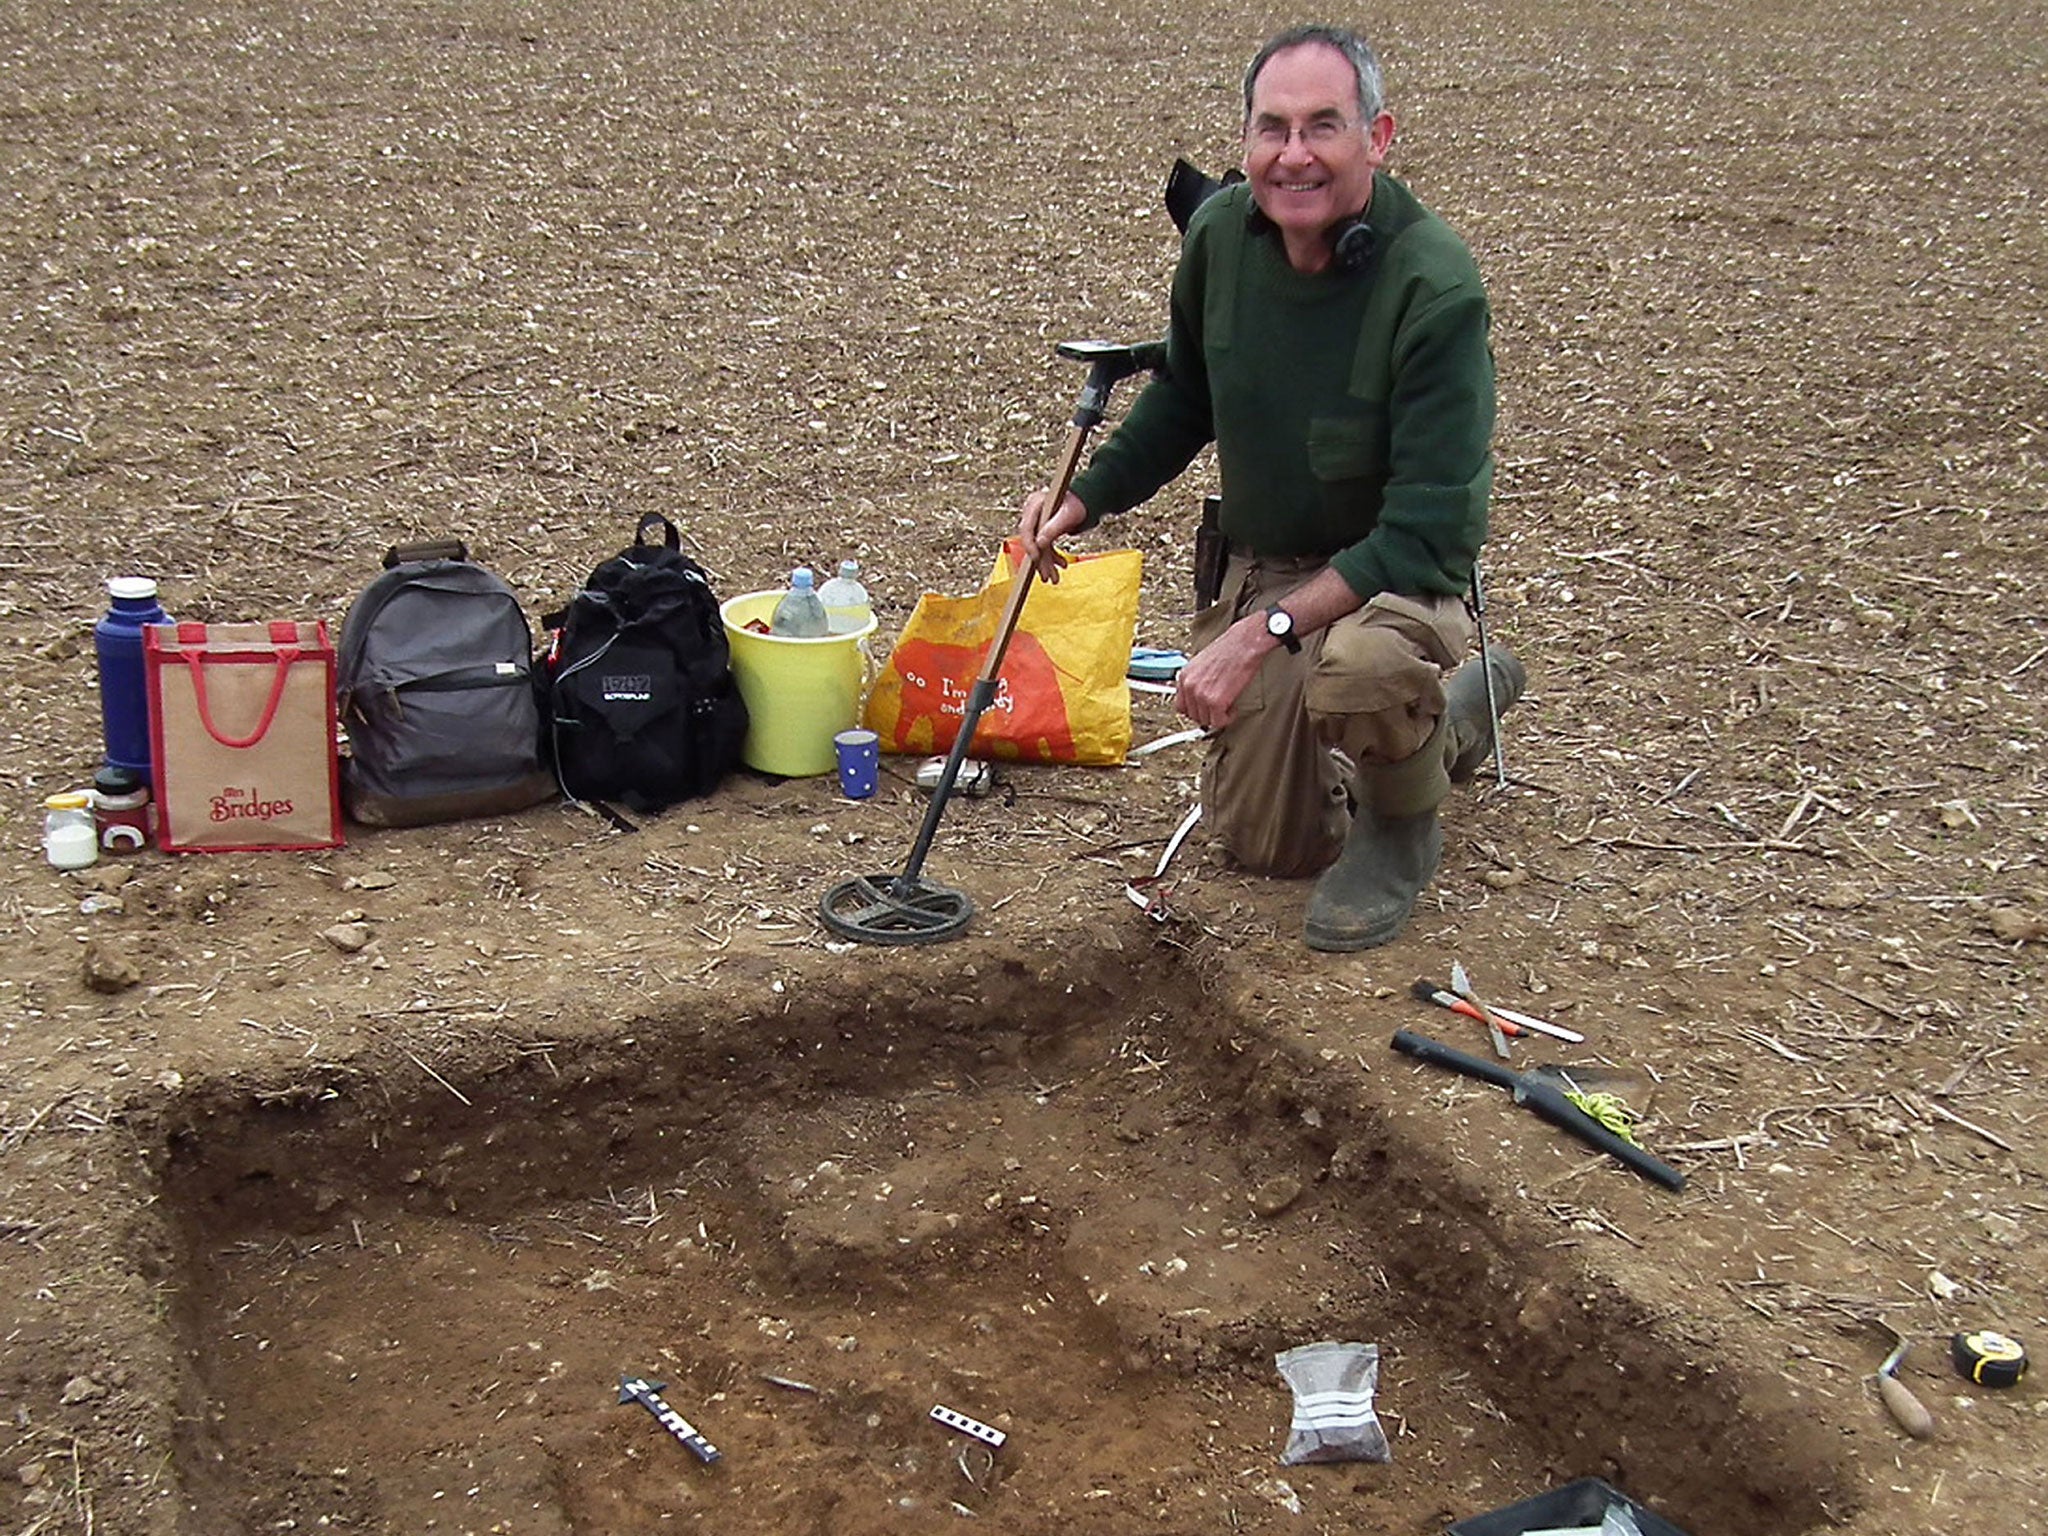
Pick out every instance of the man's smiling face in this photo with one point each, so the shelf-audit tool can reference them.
(1308, 155)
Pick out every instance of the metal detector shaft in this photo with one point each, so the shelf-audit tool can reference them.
(1500, 755)
(979, 697)
(1107, 363)
(1546, 1099)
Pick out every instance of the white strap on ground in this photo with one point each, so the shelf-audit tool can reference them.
(1176, 738)
(1154, 902)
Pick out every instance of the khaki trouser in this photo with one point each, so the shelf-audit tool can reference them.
(1371, 685)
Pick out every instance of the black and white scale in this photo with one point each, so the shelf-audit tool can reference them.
(638, 1389)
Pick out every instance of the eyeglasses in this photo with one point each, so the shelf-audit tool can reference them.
(1317, 133)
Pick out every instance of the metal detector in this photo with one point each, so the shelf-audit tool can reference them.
(906, 908)
(1500, 755)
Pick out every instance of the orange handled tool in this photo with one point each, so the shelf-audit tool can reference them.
(1510, 1022)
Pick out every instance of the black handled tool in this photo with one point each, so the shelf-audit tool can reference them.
(1546, 1098)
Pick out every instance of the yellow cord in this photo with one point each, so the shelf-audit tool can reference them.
(1610, 1111)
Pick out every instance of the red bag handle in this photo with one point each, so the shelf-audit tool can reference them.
(283, 635)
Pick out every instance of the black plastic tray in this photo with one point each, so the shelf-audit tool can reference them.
(1580, 1503)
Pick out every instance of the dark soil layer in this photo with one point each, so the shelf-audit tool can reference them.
(1094, 1233)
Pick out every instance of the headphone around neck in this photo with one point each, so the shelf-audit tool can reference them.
(1352, 242)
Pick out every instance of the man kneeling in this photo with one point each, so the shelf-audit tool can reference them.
(1330, 335)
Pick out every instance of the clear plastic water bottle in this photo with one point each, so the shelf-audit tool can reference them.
(846, 600)
(799, 616)
(124, 701)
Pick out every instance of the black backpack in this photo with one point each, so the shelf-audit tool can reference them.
(434, 681)
(641, 702)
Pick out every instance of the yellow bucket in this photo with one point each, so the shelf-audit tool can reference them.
(799, 693)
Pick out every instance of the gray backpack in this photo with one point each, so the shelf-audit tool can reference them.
(434, 683)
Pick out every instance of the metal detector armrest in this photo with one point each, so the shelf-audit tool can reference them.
(1120, 359)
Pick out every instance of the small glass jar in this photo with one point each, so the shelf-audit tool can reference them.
(120, 807)
(70, 839)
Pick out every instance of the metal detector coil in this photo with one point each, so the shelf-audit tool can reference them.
(889, 909)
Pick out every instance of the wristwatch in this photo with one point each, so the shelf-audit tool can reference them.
(1280, 625)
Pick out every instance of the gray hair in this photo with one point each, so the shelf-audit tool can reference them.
(1364, 63)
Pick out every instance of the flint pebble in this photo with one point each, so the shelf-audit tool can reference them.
(1276, 1195)
(107, 968)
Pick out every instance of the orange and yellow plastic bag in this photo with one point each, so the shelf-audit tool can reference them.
(1060, 694)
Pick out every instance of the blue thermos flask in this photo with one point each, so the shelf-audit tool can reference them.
(124, 697)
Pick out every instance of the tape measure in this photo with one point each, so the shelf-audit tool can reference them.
(1989, 1359)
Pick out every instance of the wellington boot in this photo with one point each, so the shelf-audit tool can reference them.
(1364, 899)
(1472, 725)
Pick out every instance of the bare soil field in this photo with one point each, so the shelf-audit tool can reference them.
(298, 1237)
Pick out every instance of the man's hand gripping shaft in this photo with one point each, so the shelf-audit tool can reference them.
(1108, 363)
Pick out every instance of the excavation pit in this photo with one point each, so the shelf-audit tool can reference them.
(1087, 1211)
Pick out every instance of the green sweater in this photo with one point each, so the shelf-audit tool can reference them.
(1352, 412)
